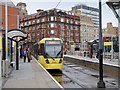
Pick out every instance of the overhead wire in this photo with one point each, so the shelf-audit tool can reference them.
(58, 3)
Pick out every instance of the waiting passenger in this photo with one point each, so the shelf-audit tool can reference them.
(24, 55)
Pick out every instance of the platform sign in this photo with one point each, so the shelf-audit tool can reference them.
(107, 43)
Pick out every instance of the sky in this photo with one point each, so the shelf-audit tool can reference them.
(33, 5)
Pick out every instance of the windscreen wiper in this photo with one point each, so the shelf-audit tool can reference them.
(59, 53)
(50, 56)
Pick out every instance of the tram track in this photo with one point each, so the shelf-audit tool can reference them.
(76, 76)
(75, 81)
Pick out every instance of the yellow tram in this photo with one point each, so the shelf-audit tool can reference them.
(50, 52)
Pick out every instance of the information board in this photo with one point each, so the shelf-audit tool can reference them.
(52, 42)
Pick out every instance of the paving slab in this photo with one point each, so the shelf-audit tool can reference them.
(30, 75)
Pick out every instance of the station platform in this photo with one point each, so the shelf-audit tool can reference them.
(113, 62)
(30, 75)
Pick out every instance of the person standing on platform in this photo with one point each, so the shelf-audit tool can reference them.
(24, 55)
(97, 55)
(65, 52)
(28, 55)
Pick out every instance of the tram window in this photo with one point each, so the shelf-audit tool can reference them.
(71, 43)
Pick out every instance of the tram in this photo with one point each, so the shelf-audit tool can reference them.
(50, 53)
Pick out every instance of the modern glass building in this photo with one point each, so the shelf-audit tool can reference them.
(89, 11)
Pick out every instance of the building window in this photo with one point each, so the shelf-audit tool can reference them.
(28, 28)
(43, 26)
(29, 22)
(77, 40)
(52, 31)
(42, 20)
(37, 27)
(71, 21)
(68, 33)
(38, 20)
(67, 20)
(33, 28)
(71, 34)
(52, 25)
(62, 26)
(77, 34)
(62, 33)
(33, 22)
(37, 34)
(25, 29)
(62, 38)
(71, 27)
(62, 19)
(25, 23)
(33, 34)
(67, 27)
(76, 22)
(21, 24)
(67, 39)
(52, 18)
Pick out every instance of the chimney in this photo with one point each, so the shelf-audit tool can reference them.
(39, 10)
(109, 25)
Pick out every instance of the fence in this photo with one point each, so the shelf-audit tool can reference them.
(106, 55)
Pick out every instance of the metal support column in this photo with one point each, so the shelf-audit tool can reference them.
(0, 60)
(6, 39)
(101, 83)
(11, 55)
(17, 57)
(119, 48)
(119, 35)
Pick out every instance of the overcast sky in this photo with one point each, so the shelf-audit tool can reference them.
(33, 5)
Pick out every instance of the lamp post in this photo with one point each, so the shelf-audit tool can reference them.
(101, 83)
(5, 62)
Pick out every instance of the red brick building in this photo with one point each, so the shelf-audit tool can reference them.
(12, 16)
(52, 23)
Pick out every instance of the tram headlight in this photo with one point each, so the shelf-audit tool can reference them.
(47, 61)
(60, 61)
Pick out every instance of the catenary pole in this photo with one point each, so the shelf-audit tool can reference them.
(100, 83)
(6, 39)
